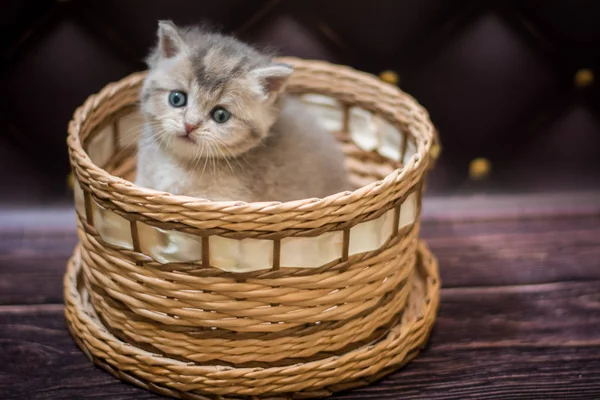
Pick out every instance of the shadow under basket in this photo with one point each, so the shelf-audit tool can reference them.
(216, 300)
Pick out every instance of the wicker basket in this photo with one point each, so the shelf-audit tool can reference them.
(197, 299)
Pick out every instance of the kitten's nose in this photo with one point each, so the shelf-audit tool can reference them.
(189, 127)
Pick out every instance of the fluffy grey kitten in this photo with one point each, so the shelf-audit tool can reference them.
(219, 127)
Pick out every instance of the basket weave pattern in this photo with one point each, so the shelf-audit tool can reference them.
(216, 326)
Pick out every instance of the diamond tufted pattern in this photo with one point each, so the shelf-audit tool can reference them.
(496, 76)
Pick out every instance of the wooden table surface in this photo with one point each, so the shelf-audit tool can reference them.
(519, 317)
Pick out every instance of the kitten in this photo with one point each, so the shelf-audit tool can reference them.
(219, 127)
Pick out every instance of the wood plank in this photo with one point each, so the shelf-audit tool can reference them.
(512, 252)
(487, 253)
(480, 207)
(32, 265)
(500, 373)
(534, 341)
(41, 361)
(542, 315)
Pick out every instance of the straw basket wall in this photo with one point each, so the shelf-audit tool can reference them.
(197, 299)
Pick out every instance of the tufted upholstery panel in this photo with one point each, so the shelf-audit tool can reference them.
(498, 77)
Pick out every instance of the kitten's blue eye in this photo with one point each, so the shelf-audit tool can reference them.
(177, 98)
(220, 115)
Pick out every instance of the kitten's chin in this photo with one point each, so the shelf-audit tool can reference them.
(184, 148)
(190, 141)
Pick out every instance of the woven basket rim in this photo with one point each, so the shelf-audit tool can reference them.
(418, 162)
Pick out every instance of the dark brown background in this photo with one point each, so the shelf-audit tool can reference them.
(497, 76)
(520, 307)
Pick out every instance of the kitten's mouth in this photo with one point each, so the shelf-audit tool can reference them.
(186, 138)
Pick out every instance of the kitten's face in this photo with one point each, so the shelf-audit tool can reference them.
(209, 96)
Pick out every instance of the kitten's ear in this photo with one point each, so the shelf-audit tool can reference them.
(272, 79)
(170, 42)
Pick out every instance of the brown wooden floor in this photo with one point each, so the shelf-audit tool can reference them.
(519, 318)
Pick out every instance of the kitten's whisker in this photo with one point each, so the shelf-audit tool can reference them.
(205, 159)
(225, 158)
(202, 156)
(219, 146)
(198, 157)
(233, 156)
(157, 138)
(212, 159)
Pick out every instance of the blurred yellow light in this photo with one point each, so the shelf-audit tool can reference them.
(479, 168)
(584, 78)
(435, 151)
(390, 77)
